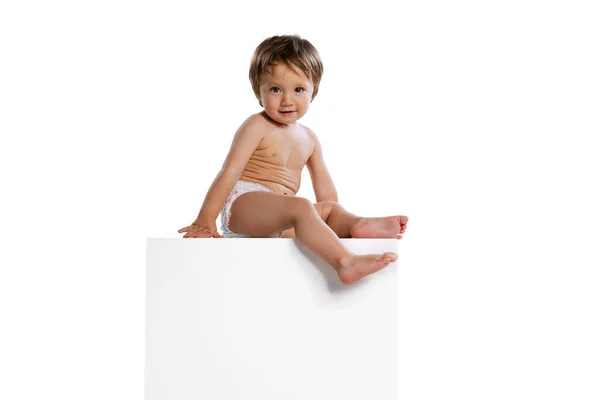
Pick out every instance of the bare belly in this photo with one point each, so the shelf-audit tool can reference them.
(278, 161)
(285, 186)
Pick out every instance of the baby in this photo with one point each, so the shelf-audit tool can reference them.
(256, 187)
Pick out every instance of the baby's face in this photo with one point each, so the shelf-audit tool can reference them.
(285, 93)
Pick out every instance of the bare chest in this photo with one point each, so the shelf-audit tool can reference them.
(290, 150)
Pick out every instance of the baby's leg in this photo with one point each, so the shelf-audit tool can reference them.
(262, 214)
(348, 225)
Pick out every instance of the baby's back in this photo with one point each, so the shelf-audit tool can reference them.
(281, 155)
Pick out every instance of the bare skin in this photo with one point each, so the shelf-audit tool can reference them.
(281, 155)
(382, 227)
(347, 225)
(272, 212)
(354, 268)
(271, 148)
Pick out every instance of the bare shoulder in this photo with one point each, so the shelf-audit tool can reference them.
(308, 131)
(245, 141)
(310, 134)
(256, 124)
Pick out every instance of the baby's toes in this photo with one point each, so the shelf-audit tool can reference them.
(392, 256)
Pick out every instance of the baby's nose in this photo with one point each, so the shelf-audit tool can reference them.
(286, 99)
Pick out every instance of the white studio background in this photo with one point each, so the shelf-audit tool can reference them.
(475, 119)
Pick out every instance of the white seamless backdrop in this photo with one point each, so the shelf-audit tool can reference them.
(475, 119)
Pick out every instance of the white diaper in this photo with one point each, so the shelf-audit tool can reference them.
(240, 188)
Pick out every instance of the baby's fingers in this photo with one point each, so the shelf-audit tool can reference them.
(192, 235)
(186, 229)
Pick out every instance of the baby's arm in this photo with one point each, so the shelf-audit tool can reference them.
(321, 180)
(244, 143)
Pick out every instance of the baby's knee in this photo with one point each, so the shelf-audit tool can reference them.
(301, 206)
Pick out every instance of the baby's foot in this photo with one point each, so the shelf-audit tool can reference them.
(356, 267)
(383, 227)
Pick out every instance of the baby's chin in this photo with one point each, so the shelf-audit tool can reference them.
(285, 119)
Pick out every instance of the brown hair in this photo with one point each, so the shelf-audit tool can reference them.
(286, 49)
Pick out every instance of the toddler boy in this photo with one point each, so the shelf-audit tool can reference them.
(255, 191)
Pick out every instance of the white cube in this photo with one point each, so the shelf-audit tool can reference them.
(267, 319)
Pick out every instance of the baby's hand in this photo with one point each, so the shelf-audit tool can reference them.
(199, 231)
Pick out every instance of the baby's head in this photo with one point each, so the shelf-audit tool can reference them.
(293, 53)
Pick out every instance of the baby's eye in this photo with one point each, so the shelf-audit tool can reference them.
(299, 90)
(275, 89)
